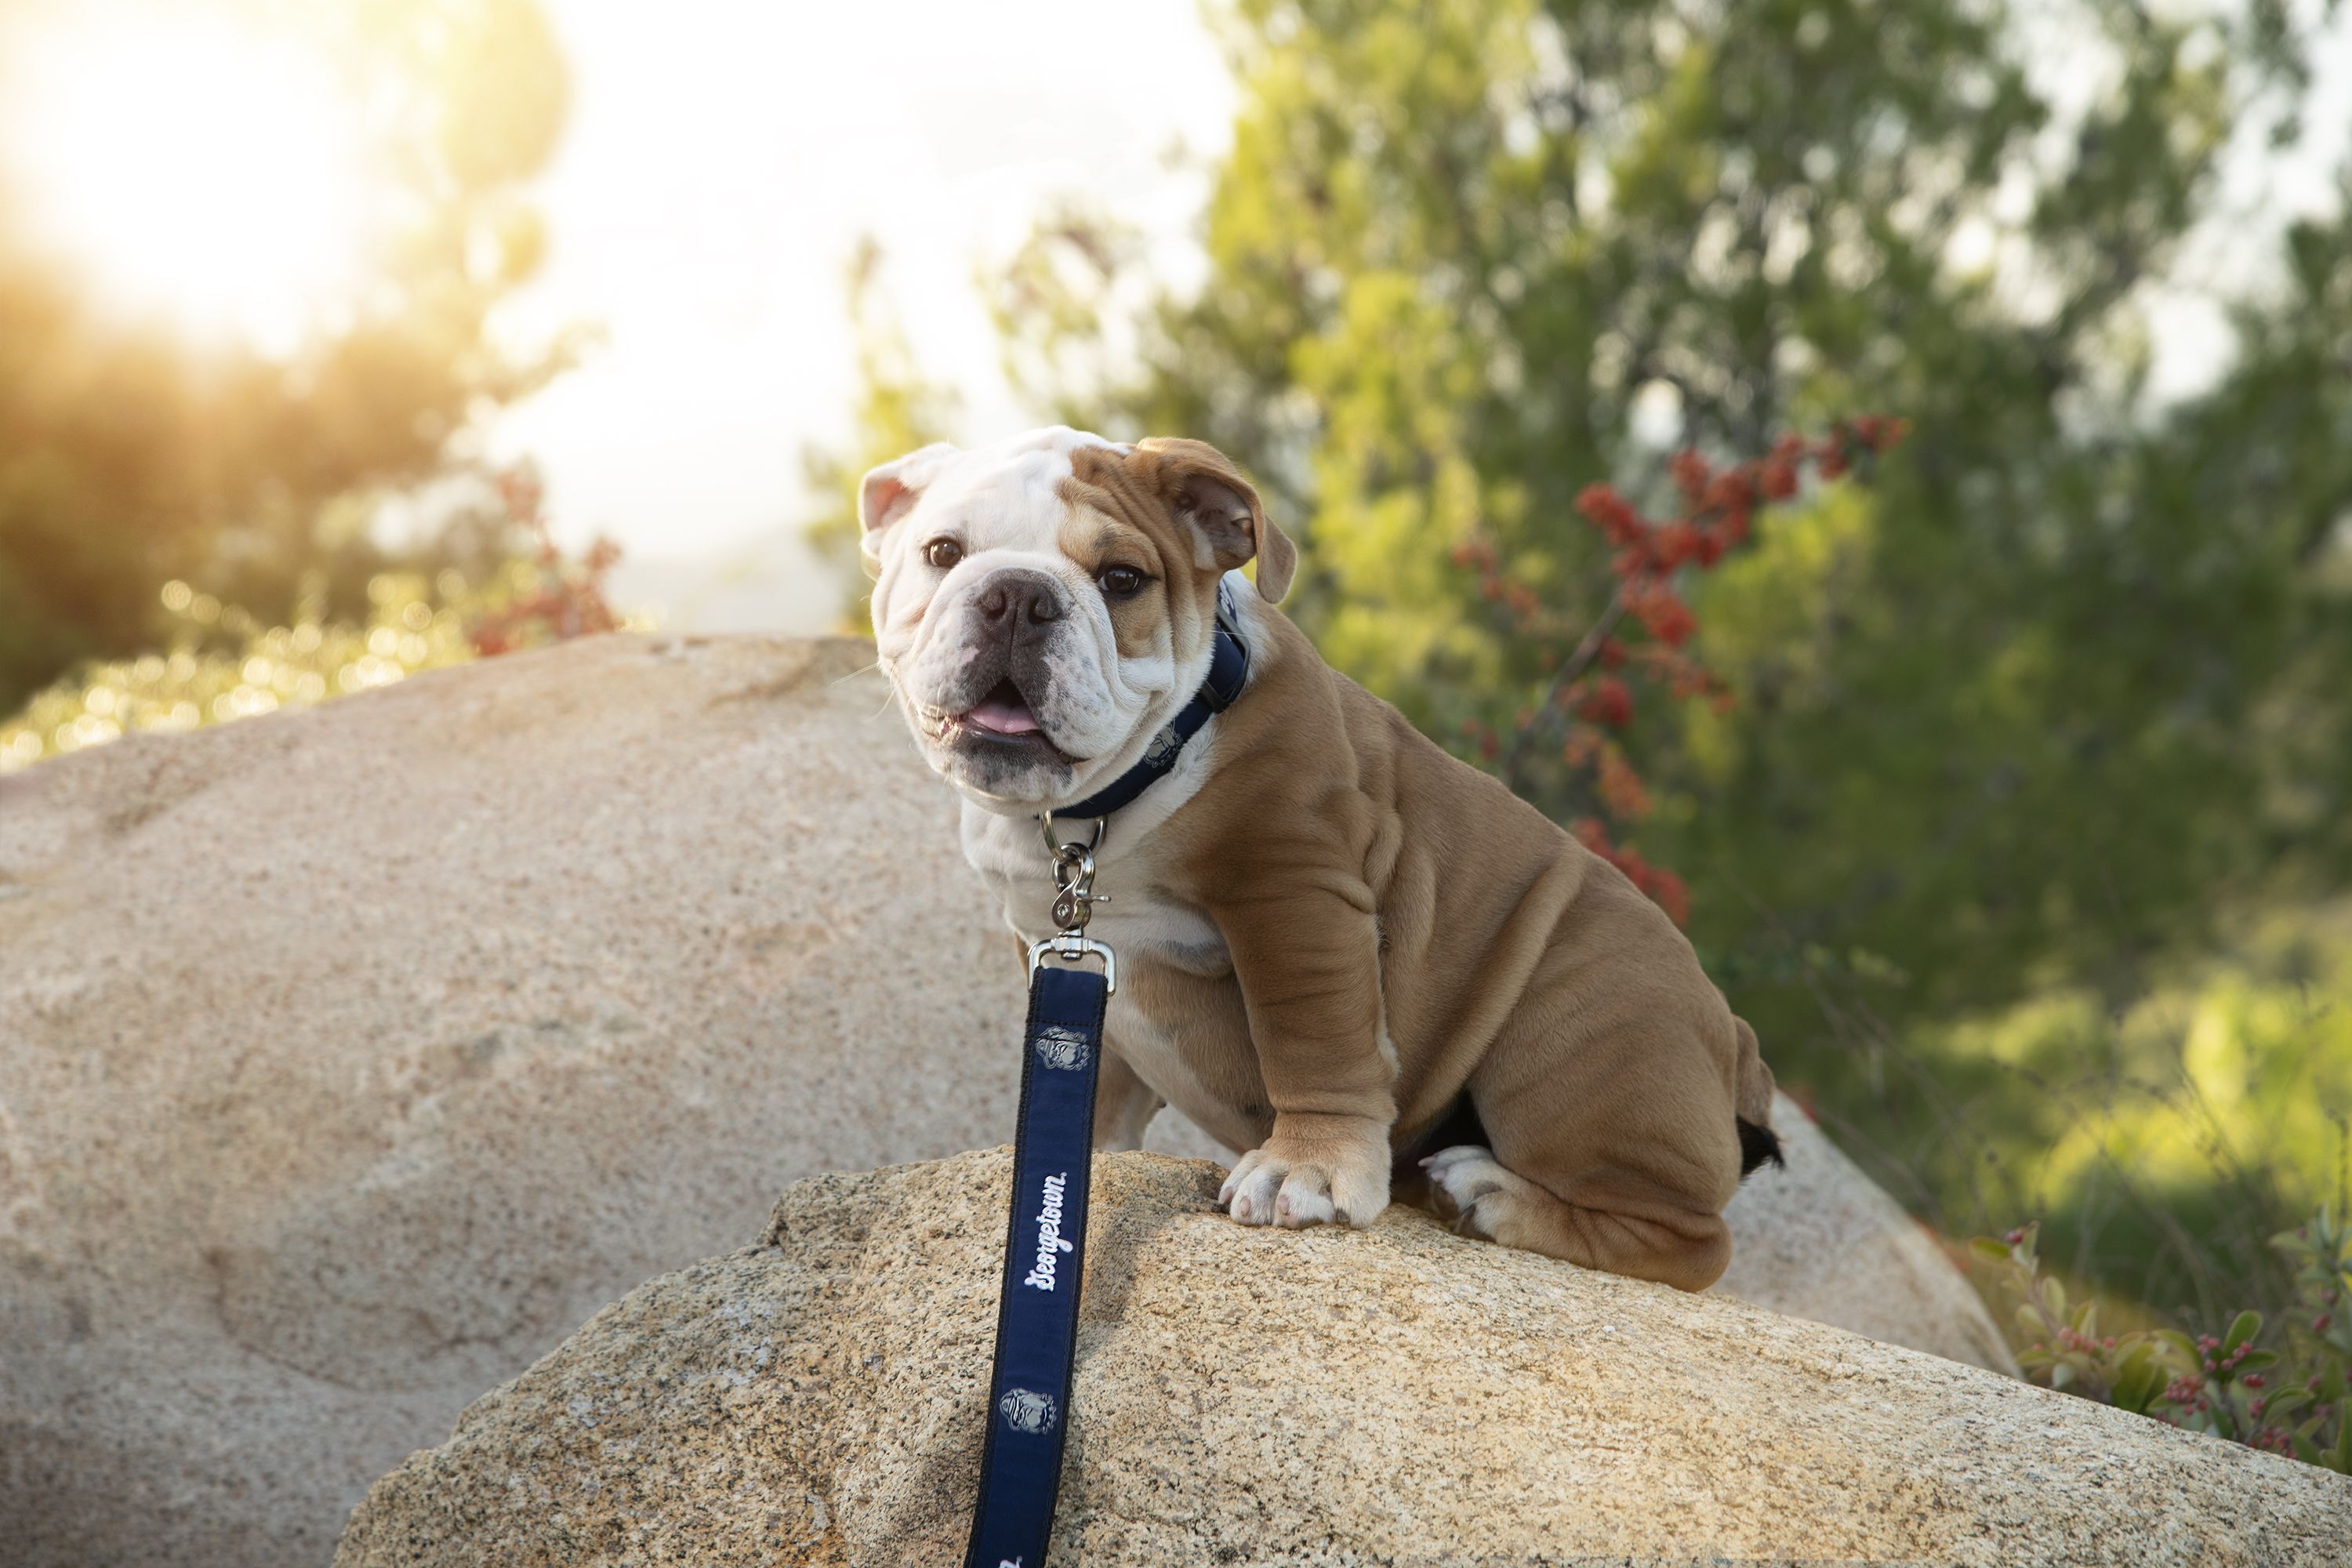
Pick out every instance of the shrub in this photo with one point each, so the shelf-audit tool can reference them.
(1584, 703)
(224, 664)
(2288, 1397)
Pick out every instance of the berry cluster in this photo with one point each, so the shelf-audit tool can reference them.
(565, 600)
(1588, 690)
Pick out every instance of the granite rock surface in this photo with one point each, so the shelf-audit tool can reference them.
(1398, 1395)
(351, 1060)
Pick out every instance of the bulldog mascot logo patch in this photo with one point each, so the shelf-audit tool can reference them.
(1028, 1412)
(1063, 1049)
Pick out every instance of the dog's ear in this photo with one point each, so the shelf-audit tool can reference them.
(1208, 493)
(889, 492)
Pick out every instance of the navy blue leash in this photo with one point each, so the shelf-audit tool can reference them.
(1046, 1238)
(1045, 1259)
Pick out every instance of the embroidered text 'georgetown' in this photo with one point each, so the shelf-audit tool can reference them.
(1051, 1242)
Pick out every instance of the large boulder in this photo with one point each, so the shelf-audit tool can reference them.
(1892, 1279)
(1395, 1395)
(349, 1059)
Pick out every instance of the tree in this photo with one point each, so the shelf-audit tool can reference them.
(898, 411)
(2057, 695)
(128, 458)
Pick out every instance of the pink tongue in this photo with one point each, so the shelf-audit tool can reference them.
(1005, 718)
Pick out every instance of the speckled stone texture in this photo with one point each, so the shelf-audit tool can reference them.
(349, 1059)
(1399, 1396)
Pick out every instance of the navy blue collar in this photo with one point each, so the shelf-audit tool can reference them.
(1228, 671)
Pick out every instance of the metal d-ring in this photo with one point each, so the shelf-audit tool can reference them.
(1053, 846)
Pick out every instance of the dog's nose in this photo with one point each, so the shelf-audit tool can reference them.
(1019, 601)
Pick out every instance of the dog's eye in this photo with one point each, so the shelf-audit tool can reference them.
(1122, 582)
(943, 553)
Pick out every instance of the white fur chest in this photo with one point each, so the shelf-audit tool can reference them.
(1139, 920)
(1136, 915)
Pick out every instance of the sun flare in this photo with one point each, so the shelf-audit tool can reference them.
(195, 167)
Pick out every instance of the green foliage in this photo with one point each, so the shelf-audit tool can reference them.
(2058, 695)
(2165, 1140)
(2290, 1400)
(221, 663)
(227, 666)
(128, 458)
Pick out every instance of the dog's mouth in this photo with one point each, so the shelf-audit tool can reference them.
(1002, 720)
(1004, 713)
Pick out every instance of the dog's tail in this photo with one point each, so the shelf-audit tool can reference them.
(1758, 1147)
(1758, 1144)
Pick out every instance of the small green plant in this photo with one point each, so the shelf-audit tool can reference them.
(2287, 1399)
(2320, 1336)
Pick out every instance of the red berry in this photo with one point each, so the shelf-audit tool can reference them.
(1611, 512)
(1674, 544)
(1667, 617)
(1691, 472)
(1611, 703)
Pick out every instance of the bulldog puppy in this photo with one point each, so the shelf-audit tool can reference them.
(1339, 948)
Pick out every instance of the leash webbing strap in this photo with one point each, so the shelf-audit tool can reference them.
(1045, 1259)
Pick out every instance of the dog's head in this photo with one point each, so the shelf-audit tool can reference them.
(1044, 606)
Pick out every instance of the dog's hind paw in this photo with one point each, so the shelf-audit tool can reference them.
(1477, 1189)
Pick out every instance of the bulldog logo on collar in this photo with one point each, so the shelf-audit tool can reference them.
(1164, 747)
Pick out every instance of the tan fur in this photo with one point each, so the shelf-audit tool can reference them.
(1336, 843)
(1400, 934)
(1346, 859)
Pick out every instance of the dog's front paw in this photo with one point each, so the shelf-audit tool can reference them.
(1314, 1174)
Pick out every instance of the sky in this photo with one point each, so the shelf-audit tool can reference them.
(742, 152)
(720, 165)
